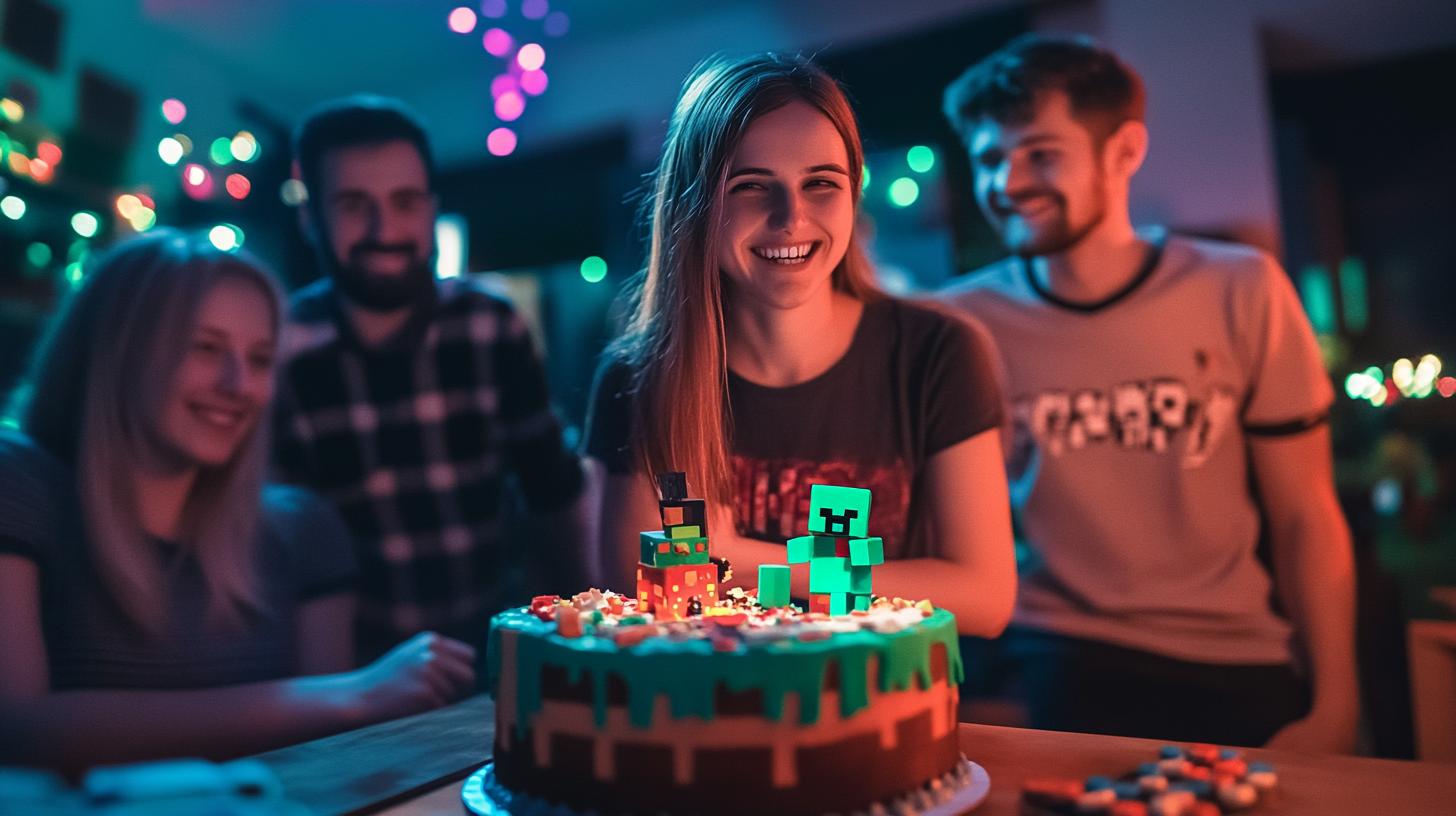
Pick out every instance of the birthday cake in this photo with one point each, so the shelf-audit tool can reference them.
(690, 699)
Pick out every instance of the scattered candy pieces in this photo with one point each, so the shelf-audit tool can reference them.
(1200, 780)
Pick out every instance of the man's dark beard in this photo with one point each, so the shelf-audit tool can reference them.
(1062, 236)
(378, 292)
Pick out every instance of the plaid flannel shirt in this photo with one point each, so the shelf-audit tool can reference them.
(412, 441)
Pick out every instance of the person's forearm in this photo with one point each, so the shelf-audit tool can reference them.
(1316, 571)
(76, 729)
(980, 608)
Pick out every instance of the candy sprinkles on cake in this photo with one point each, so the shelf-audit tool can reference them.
(1200, 780)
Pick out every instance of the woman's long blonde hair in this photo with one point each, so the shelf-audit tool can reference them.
(95, 389)
(675, 340)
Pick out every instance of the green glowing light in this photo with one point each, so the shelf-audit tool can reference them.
(920, 158)
(593, 269)
(904, 191)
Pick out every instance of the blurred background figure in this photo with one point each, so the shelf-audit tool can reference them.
(156, 598)
(407, 400)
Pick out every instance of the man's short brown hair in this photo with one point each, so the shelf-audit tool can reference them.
(1006, 86)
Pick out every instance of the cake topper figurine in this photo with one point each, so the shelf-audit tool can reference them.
(839, 549)
(675, 567)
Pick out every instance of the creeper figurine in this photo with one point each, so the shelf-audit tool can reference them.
(839, 549)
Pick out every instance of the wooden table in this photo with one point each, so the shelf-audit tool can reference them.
(415, 766)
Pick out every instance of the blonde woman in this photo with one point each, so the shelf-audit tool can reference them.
(156, 598)
(761, 358)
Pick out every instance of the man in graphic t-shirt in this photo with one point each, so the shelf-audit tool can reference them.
(1149, 377)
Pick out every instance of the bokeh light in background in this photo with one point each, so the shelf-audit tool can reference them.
(293, 192)
(244, 146)
(593, 269)
(221, 151)
(504, 83)
(509, 106)
(1407, 380)
(11, 109)
(534, 9)
(920, 158)
(12, 207)
(533, 82)
(531, 57)
(462, 20)
(197, 182)
(170, 150)
(497, 42)
(174, 111)
(225, 237)
(904, 191)
(127, 204)
(557, 24)
(864, 177)
(501, 142)
(41, 171)
(85, 224)
(494, 9)
(48, 152)
(450, 245)
(237, 185)
(39, 254)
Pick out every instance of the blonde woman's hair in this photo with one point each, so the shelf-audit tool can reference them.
(674, 341)
(96, 386)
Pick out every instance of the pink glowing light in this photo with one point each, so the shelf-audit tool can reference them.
(462, 21)
(534, 9)
(197, 182)
(501, 141)
(497, 42)
(509, 106)
(557, 24)
(174, 111)
(533, 82)
(505, 83)
(531, 57)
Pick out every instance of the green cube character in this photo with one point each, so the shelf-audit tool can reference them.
(839, 511)
(830, 575)
(866, 552)
(773, 585)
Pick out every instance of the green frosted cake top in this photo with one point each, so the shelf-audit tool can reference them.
(686, 666)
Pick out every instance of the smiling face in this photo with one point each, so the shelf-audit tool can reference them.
(379, 222)
(225, 379)
(788, 208)
(1040, 183)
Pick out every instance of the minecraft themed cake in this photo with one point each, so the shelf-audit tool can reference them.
(690, 699)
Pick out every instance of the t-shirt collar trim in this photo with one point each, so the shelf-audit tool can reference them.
(1150, 263)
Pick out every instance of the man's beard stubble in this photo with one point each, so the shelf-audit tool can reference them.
(1062, 236)
(378, 292)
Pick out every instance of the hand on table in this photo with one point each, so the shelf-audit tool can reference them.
(425, 672)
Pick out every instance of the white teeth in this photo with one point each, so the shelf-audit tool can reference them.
(795, 253)
(220, 418)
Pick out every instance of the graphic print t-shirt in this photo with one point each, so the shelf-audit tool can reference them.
(1128, 462)
(913, 383)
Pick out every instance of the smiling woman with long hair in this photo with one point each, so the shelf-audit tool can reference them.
(761, 358)
(156, 597)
